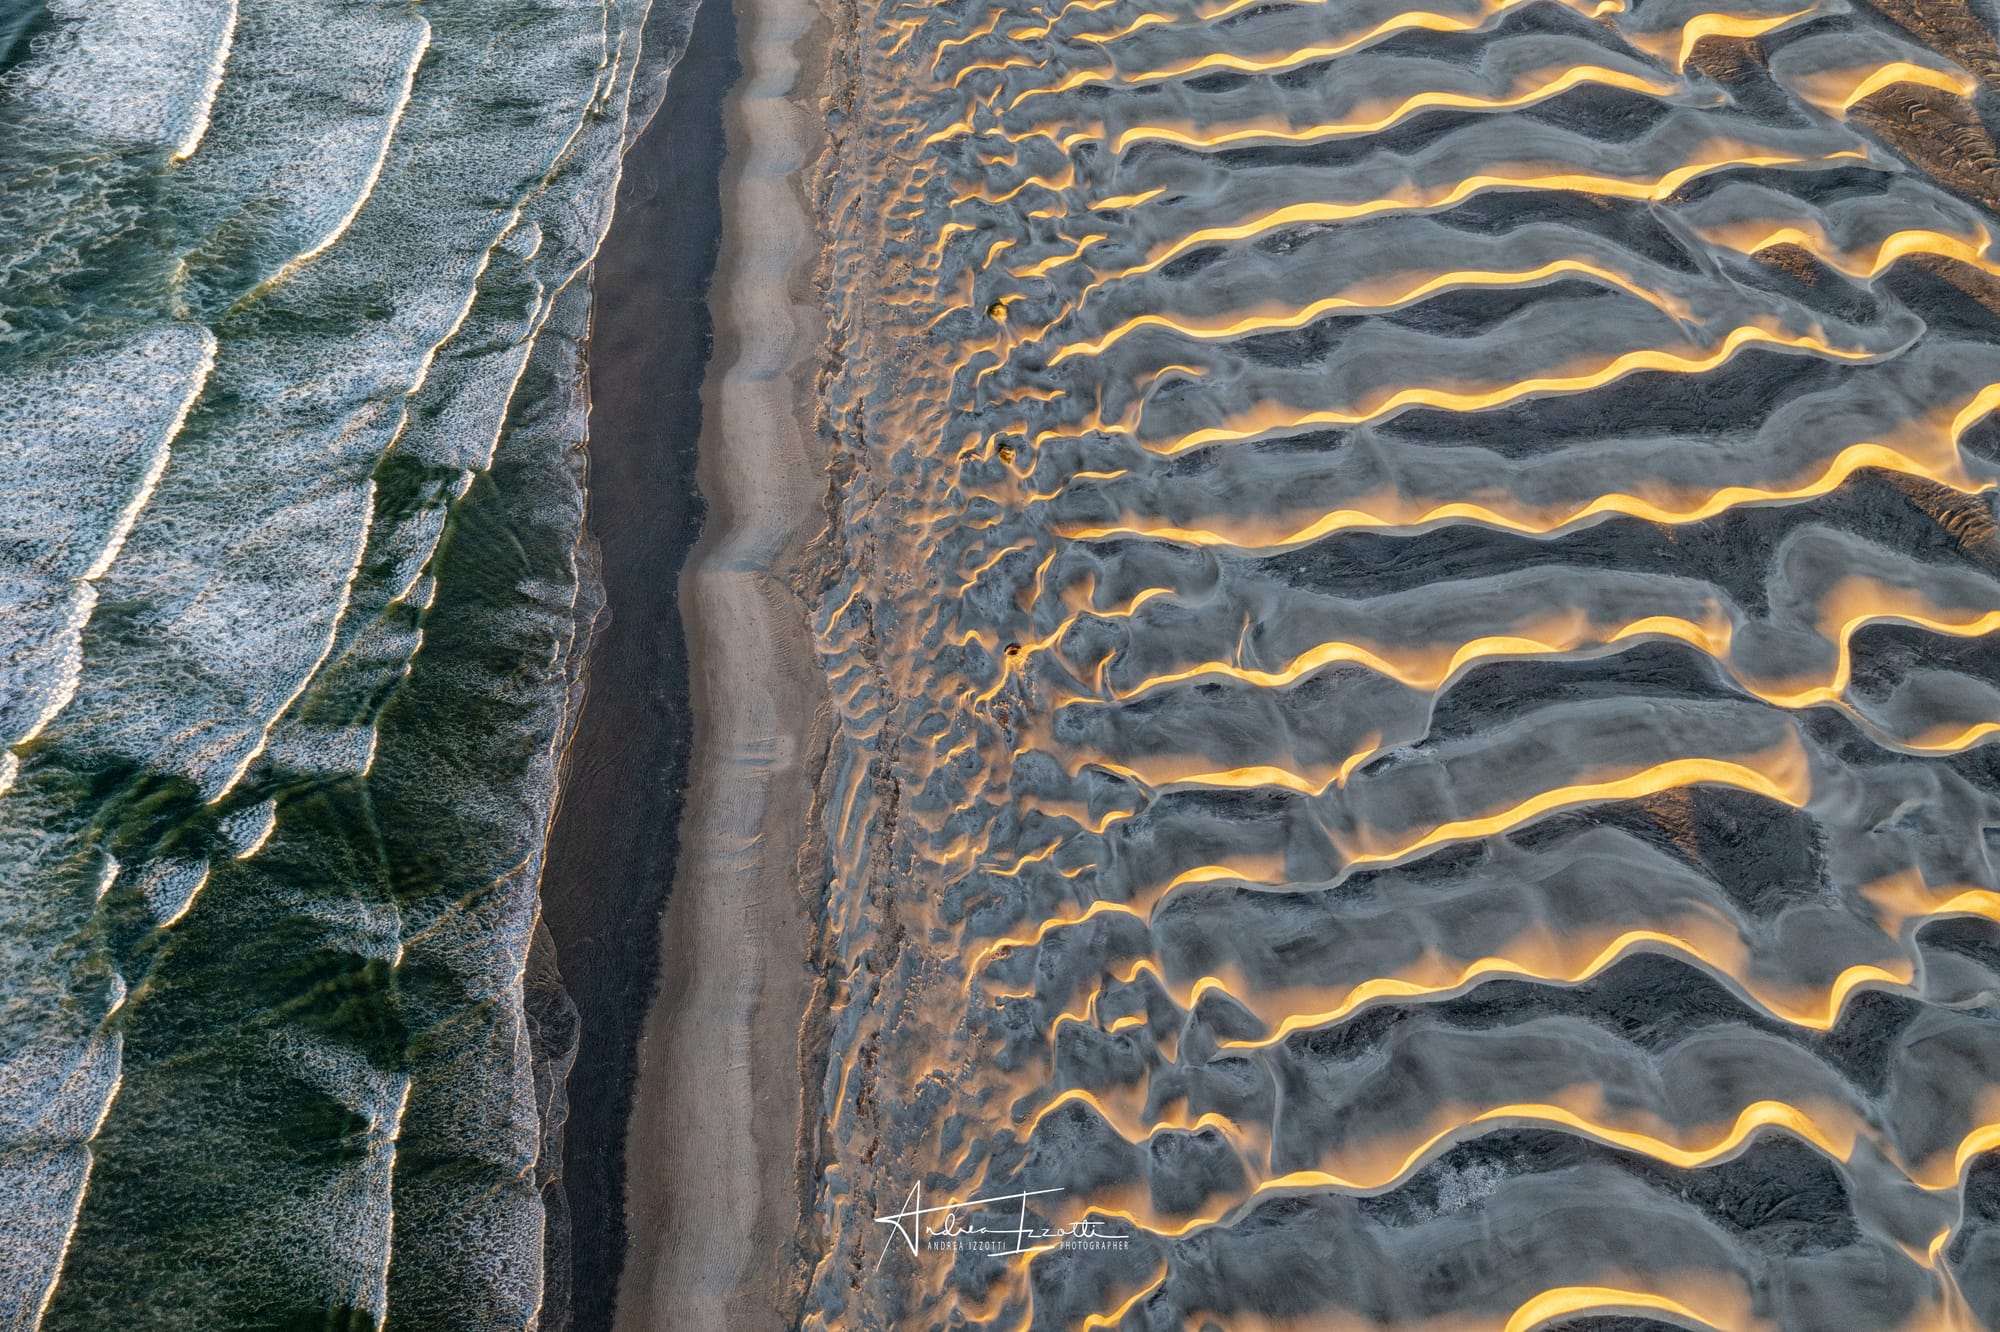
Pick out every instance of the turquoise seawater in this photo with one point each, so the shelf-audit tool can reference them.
(293, 296)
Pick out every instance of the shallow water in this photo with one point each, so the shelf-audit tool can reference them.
(1412, 640)
(291, 317)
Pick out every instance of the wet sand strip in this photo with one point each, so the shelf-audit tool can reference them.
(616, 835)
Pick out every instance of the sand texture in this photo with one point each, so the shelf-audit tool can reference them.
(1412, 656)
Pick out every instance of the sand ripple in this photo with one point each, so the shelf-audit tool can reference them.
(1415, 679)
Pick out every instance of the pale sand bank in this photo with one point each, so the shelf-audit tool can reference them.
(712, 1151)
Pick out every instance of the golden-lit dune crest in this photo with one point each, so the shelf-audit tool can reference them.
(1414, 684)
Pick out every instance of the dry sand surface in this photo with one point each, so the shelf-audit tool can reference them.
(1415, 663)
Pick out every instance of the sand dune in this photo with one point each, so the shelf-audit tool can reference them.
(1415, 691)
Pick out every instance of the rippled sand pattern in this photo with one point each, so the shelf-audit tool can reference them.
(1415, 669)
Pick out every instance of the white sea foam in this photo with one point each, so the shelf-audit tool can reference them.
(45, 1190)
(343, 1237)
(325, 751)
(218, 62)
(248, 829)
(260, 622)
(133, 71)
(83, 444)
(369, 220)
(170, 886)
(55, 1095)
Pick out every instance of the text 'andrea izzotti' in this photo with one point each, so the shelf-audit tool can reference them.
(998, 1225)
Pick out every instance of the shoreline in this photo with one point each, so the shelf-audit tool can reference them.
(716, 1162)
(614, 839)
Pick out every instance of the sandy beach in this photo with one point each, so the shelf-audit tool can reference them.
(676, 1137)
(713, 1151)
(1335, 727)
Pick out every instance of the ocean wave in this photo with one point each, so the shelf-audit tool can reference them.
(295, 314)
